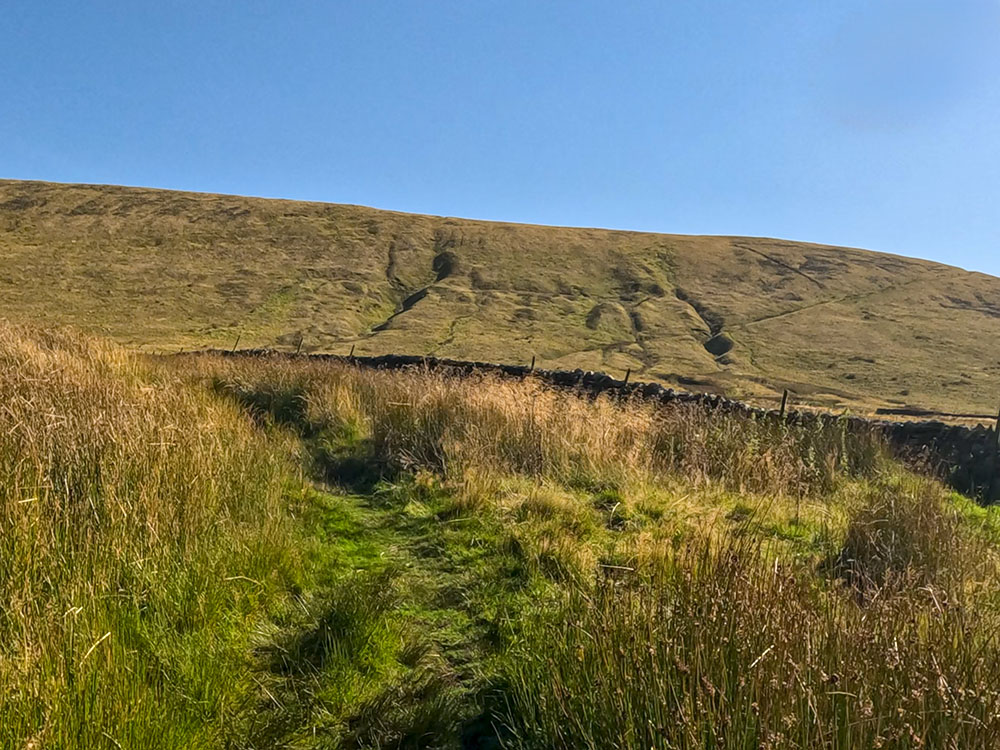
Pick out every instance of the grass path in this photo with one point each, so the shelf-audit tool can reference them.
(505, 566)
(431, 603)
(435, 563)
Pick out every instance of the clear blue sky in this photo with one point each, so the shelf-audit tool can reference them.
(856, 122)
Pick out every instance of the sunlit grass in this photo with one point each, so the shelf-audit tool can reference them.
(144, 537)
(205, 552)
(727, 582)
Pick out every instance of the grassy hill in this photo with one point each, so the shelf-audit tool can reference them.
(167, 270)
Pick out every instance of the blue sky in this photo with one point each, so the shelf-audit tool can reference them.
(872, 124)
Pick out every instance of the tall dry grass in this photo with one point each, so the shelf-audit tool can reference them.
(734, 645)
(147, 548)
(490, 425)
(905, 535)
(707, 640)
(718, 649)
(143, 537)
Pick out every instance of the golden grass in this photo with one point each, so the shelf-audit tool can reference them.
(863, 620)
(605, 574)
(487, 425)
(143, 535)
(716, 649)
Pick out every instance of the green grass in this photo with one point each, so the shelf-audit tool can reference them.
(719, 650)
(145, 546)
(201, 552)
(163, 271)
(688, 602)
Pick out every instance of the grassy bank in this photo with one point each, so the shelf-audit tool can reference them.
(697, 580)
(200, 552)
(145, 539)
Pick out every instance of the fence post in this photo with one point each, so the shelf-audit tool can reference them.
(784, 403)
(299, 347)
(991, 492)
(351, 355)
(237, 342)
(627, 373)
(532, 368)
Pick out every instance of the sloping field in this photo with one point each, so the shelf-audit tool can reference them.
(167, 270)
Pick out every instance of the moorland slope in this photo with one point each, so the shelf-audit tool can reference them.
(166, 270)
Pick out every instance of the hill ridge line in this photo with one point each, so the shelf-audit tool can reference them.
(812, 244)
(842, 328)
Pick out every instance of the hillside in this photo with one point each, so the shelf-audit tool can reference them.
(167, 270)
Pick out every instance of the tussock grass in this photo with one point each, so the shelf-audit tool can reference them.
(716, 648)
(144, 538)
(686, 631)
(493, 426)
(491, 563)
(503, 445)
(910, 538)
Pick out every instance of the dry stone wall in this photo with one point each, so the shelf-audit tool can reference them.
(965, 457)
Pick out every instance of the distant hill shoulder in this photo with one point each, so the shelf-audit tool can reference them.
(165, 270)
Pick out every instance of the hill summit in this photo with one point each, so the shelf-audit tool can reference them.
(163, 270)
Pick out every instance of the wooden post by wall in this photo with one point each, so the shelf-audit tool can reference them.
(627, 373)
(237, 341)
(784, 403)
(991, 491)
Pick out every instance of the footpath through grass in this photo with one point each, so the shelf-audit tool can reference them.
(204, 553)
(413, 607)
(583, 574)
(404, 631)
